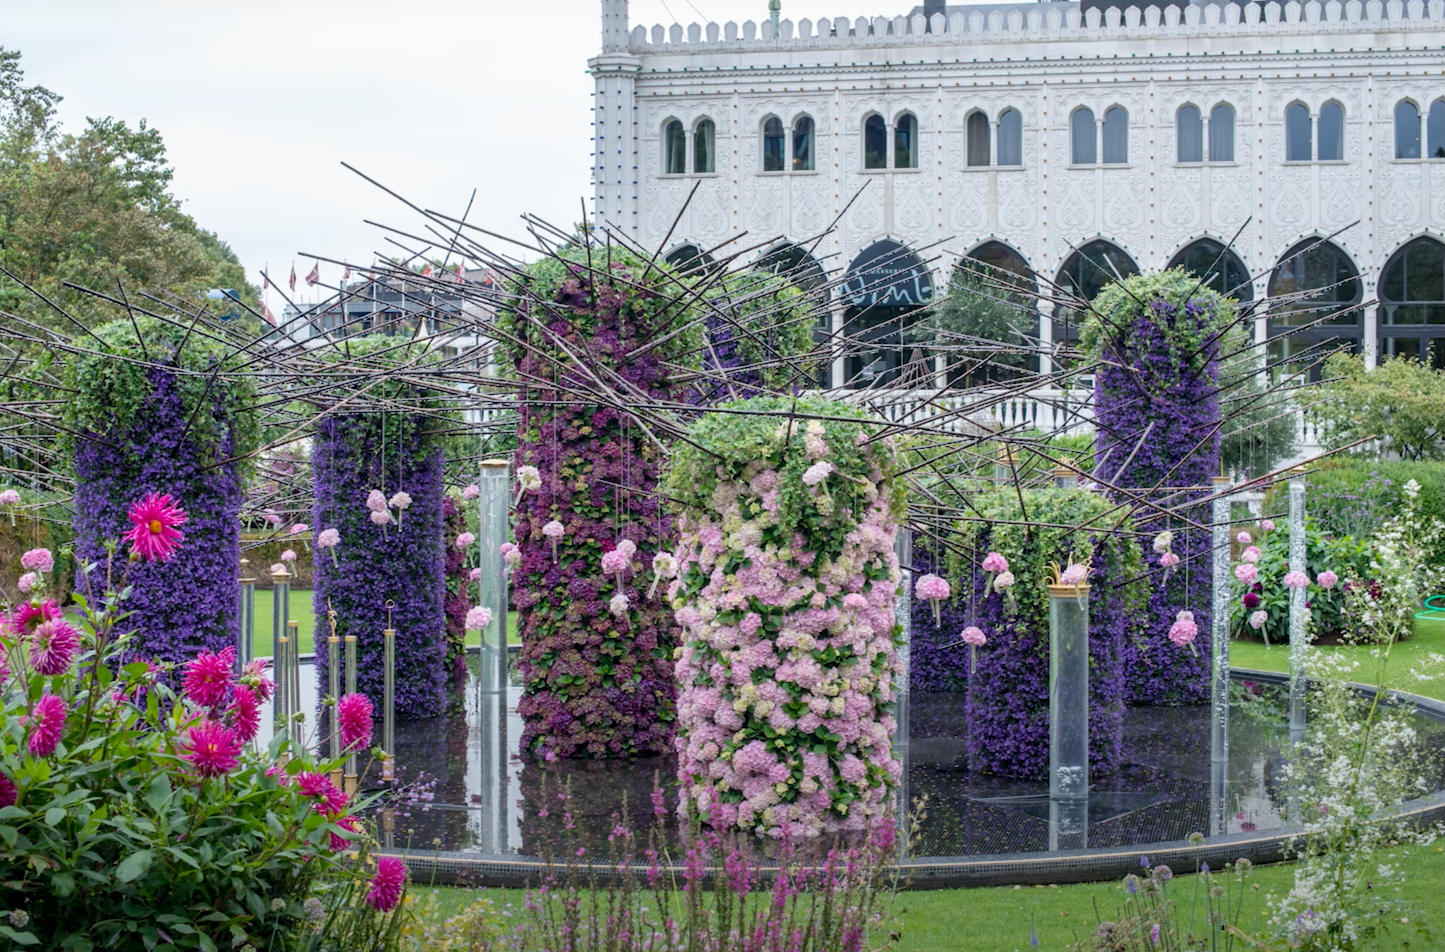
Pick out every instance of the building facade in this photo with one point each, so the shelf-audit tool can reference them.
(1061, 143)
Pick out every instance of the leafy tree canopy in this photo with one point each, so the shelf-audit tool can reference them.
(1401, 402)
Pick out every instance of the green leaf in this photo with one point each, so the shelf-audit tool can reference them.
(54, 815)
(20, 938)
(159, 793)
(134, 866)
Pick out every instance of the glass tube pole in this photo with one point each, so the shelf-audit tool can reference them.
(1219, 627)
(1298, 614)
(1068, 716)
(248, 615)
(388, 708)
(333, 670)
(351, 689)
(281, 656)
(293, 692)
(495, 525)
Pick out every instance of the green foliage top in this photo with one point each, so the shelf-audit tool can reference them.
(776, 324)
(370, 357)
(977, 310)
(1187, 313)
(1401, 402)
(110, 385)
(772, 433)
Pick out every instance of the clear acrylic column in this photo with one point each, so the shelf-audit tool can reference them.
(248, 616)
(1298, 614)
(1068, 716)
(1219, 659)
(495, 523)
(903, 612)
(281, 650)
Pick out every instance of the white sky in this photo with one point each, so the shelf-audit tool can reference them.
(260, 101)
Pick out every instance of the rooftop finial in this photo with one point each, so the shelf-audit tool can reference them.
(775, 7)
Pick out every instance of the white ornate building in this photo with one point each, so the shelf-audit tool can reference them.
(1022, 133)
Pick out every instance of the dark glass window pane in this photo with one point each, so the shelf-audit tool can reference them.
(1332, 132)
(977, 139)
(676, 150)
(1297, 147)
(803, 145)
(1412, 287)
(1407, 130)
(905, 143)
(1081, 125)
(1085, 274)
(774, 145)
(1116, 136)
(702, 154)
(1221, 133)
(1325, 280)
(1191, 135)
(1011, 138)
(875, 143)
(1435, 130)
(1222, 271)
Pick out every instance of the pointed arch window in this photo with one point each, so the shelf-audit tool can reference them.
(1435, 130)
(978, 136)
(1010, 138)
(1316, 287)
(875, 143)
(1217, 266)
(1412, 303)
(703, 157)
(803, 144)
(1189, 127)
(1407, 130)
(675, 148)
(905, 142)
(774, 144)
(1332, 132)
(1083, 136)
(1221, 133)
(1116, 136)
(1087, 272)
(1298, 133)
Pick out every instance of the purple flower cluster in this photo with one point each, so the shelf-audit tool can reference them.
(1152, 374)
(403, 563)
(191, 603)
(596, 683)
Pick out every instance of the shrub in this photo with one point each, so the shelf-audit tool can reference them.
(758, 326)
(1347, 557)
(1354, 497)
(1401, 403)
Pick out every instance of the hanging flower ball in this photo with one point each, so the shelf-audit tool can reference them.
(475, 575)
(1267, 525)
(935, 590)
(478, 618)
(974, 637)
(1169, 560)
(1243, 538)
(1251, 554)
(615, 562)
(279, 569)
(289, 555)
(817, 473)
(529, 477)
(464, 541)
(554, 530)
(38, 560)
(993, 562)
(154, 536)
(1257, 620)
(472, 491)
(401, 502)
(627, 547)
(9, 497)
(1246, 573)
(1296, 580)
(1327, 579)
(376, 501)
(1004, 582)
(618, 605)
(1076, 574)
(381, 517)
(1184, 630)
(1163, 541)
(27, 582)
(300, 528)
(511, 555)
(664, 565)
(328, 538)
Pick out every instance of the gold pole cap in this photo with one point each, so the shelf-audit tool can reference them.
(494, 463)
(1064, 472)
(1297, 471)
(1068, 591)
(293, 623)
(1221, 481)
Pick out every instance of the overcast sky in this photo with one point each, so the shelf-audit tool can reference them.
(260, 101)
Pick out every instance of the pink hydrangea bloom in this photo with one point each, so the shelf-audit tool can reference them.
(974, 636)
(994, 562)
(300, 528)
(289, 555)
(615, 562)
(9, 497)
(245, 713)
(1243, 538)
(1004, 582)
(376, 501)
(1327, 579)
(1251, 554)
(475, 575)
(1246, 572)
(554, 530)
(27, 582)
(53, 647)
(618, 604)
(208, 677)
(381, 517)
(154, 536)
(1169, 560)
(47, 724)
(816, 473)
(386, 885)
(478, 617)
(1184, 630)
(932, 588)
(38, 560)
(328, 538)
(472, 491)
(353, 715)
(213, 749)
(1075, 574)
(1296, 580)
(853, 601)
(1257, 620)
(401, 501)
(1267, 525)
(465, 540)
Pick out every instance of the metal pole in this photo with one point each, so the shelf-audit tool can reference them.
(1298, 614)
(388, 707)
(351, 689)
(1068, 716)
(903, 613)
(281, 661)
(333, 670)
(248, 614)
(1219, 663)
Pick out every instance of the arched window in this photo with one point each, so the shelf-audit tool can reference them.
(1412, 302)
(1435, 130)
(1010, 138)
(803, 144)
(978, 146)
(688, 258)
(702, 148)
(774, 144)
(792, 262)
(1221, 133)
(1407, 130)
(1298, 134)
(875, 143)
(1190, 127)
(1219, 267)
(1332, 132)
(1083, 137)
(981, 307)
(675, 148)
(883, 292)
(905, 143)
(1315, 281)
(1086, 272)
(1116, 136)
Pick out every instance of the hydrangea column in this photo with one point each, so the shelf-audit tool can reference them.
(1156, 405)
(786, 591)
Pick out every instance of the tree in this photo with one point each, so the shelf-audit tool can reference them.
(90, 208)
(983, 322)
(1401, 402)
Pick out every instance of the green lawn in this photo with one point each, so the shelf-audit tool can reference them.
(1405, 659)
(999, 919)
(301, 611)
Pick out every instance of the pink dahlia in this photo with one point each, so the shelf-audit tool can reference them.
(28, 616)
(47, 723)
(53, 647)
(478, 618)
(387, 884)
(214, 749)
(254, 676)
(347, 823)
(9, 793)
(154, 536)
(353, 714)
(993, 562)
(245, 711)
(974, 636)
(1184, 630)
(1327, 579)
(1296, 580)
(208, 677)
(37, 560)
(330, 801)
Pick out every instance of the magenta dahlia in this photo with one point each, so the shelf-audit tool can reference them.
(9, 793)
(53, 647)
(387, 884)
(353, 714)
(245, 713)
(47, 723)
(154, 536)
(29, 615)
(254, 676)
(214, 749)
(347, 823)
(208, 677)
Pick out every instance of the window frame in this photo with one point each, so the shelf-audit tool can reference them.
(998, 138)
(1074, 138)
(1233, 139)
(783, 140)
(667, 127)
(1179, 136)
(1310, 132)
(1103, 141)
(712, 145)
(914, 148)
(968, 140)
(1419, 130)
(1353, 332)
(792, 153)
(887, 153)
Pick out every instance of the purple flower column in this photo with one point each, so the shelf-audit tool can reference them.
(403, 564)
(1145, 378)
(193, 601)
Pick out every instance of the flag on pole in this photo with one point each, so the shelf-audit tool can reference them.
(293, 277)
(314, 277)
(265, 282)
(460, 279)
(427, 271)
(346, 275)
(266, 313)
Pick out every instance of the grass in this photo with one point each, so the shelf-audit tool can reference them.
(1000, 918)
(1405, 658)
